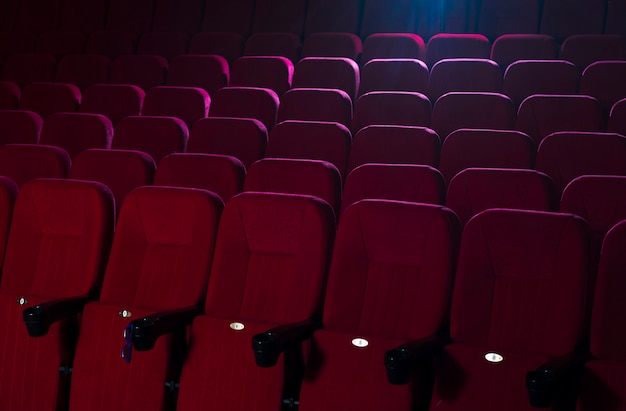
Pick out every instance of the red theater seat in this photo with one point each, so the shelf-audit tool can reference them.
(617, 118)
(46, 99)
(246, 102)
(401, 108)
(166, 44)
(60, 43)
(75, 132)
(332, 44)
(394, 75)
(145, 71)
(394, 46)
(156, 136)
(19, 126)
(26, 68)
(233, 16)
(111, 43)
(280, 44)
(463, 75)
(9, 95)
(25, 162)
(604, 81)
(189, 104)
(584, 49)
(316, 104)
(210, 72)
(83, 70)
(115, 101)
(509, 48)
(271, 72)
(326, 72)
(176, 16)
(225, 44)
(446, 46)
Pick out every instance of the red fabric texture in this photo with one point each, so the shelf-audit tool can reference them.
(155, 135)
(115, 101)
(403, 182)
(313, 140)
(326, 72)
(25, 68)
(509, 48)
(209, 72)
(391, 108)
(617, 118)
(296, 176)
(9, 95)
(246, 102)
(602, 80)
(463, 74)
(465, 148)
(584, 49)
(477, 189)
(20, 126)
(399, 74)
(25, 162)
(8, 192)
(272, 72)
(224, 175)
(445, 46)
(277, 43)
(142, 70)
(187, 103)
(542, 114)
(83, 70)
(567, 155)
(226, 44)
(46, 99)
(393, 45)
(316, 104)
(242, 138)
(75, 132)
(456, 110)
(395, 145)
(332, 44)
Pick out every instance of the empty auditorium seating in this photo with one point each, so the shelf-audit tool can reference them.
(242, 138)
(9, 95)
(210, 72)
(567, 155)
(603, 80)
(271, 72)
(84, 17)
(83, 70)
(159, 262)
(325, 72)
(25, 162)
(115, 101)
(393, 45)
(135, 17)
(186, 103)
(311, 140)
(527, 77)
(463, 75)
(328, 16)
(474, 190)
(584, 49)
(268, 274)
(617, 118)
(456, 110)
(221, 174)
(395, 145)
(600, 385)
(36, 16)
(60, 43)
(296, 176)
(226, 44)
(384, 16)
(246, 102)
(165, 44)
(332, 44)
(403, 182)
(75, 132)
(46, 99)
(389, 286)
(174, 16)
(599, 200)
(26, 68)
(391, 108)
(17, 42)
(19, 126)
(145, 71)
(501, 18)
(444, 46)
(120, 170)
(316, 104)
(233, 16)
(156, 136)
(111, 43)
(561, 18)
(499, 295)
(279, 16)
(465, 148)
(542, 114)
(50, 271)
(509, 48)
(394, 75)
(281, 44)
(8, 192)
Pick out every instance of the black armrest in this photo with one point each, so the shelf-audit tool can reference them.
(148, 329)
(543, 382)
(40, 317)
(268, 345)
(400, 361)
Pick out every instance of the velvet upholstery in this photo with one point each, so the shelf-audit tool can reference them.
(316, 104)
(401, 108)
(246, 102)
(156, 136)
(75, 132)
(25, 162)
(189, 104)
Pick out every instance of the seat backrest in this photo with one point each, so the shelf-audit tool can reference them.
(156, 136)
(233, 16)
(477, 189)
(145, 71)
(83, 70)
(75, 132)
(246, 102)
(328, 16)
(115, 101)
(65, 254)
(133, 16)
(463, 75)
(445, 46)
(394, 75)
(84, 17)
(8, 193)
(242, 138)
(296, 176)
(567, 155)
(391, 108)
(584, 49)
(271, 72)
(456, 110)
(332, 44)
(527, 77)
(402, 182)
(466, 148)
(60, 43)
(10, 94)
(395, 145)
(165, 44)
(600, 200)
(279, 16)
(111, 43)
(46, 99)
(617, 118)
(26, 68)
(393, 45)
(189, 104)
(282, 44)
(497, 18)
(509, 48)
(221, 174)
(562, 18)
(210, 72)
(32, 15)
(171, 15)
(542, 114)
(603, 80)
(20, 126)
(313, 140)
(327, 72)
(25, 162)
(120, 170)
(225, 44)
(316, 104)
